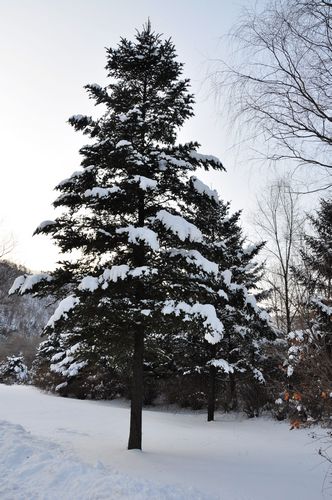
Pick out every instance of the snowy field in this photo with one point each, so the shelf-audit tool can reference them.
(57, 448)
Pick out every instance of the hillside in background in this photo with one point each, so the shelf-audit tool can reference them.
(21, 318)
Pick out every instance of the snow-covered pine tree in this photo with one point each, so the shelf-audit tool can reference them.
(315, 274)
(238, 354)
(127, 217)
(308, 361)
(252, 332)
(13, 370)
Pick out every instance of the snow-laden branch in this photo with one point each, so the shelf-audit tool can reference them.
(196, 258)
(62, 310)
(137, 234)
(27, 282)
(179, 226)
(207, 312)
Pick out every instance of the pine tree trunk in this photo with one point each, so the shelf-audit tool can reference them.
(137, 383)
(135, 434)
(232, 390)
(211, 393)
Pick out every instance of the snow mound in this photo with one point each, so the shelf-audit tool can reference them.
(232, 458)
(32, 468)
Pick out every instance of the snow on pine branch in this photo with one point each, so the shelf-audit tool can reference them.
(26, 282)
(75, 175)
(223, 294)
(179, 226)
(317, 301)
(298, 335)
(123, 144)
(77, 118)
(94, 86)
(204, 311)
(251, 300)
(100, 192)
(258, 375)
(248, 297)
(43, 225)
(166, 159)
(145, 183)
(202, 188)
(204, 159)
(196, 258)
(137, 234)
(68, 367)
(142, 270)
(114, 274)
(227, 276)
(81, 122)
(62, 310)
(248, 250)
(89, 283)
(222, 364)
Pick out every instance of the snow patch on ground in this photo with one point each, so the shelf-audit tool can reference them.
(32, 468)
(233, 458)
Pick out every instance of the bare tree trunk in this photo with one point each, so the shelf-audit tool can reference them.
(281, 222)
(287, 305)
(135, 433)
(211, 393)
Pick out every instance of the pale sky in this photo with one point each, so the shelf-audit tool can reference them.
(49, 50)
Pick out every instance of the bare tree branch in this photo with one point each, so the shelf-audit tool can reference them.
(279, 220)
(282, 85)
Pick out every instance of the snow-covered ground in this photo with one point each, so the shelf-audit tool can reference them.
(57, 448)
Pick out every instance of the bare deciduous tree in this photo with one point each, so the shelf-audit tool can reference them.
(6, 245)
(279, 221)
(282, 84)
